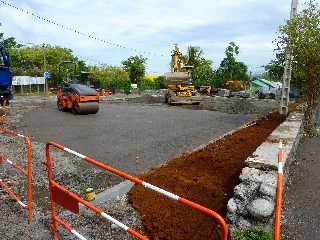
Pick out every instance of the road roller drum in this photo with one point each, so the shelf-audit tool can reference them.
(86, 108)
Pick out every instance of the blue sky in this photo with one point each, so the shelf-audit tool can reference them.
(152, 25)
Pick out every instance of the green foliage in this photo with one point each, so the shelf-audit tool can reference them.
(253, 234)
(8, 42)
(155, 84)
(202, 72)
(193, 57)
(121, 84)
(230, 68)
(274, 70)
(204, 75)
(113, 78)
(135, 67)
(302, 36)
(33, 61)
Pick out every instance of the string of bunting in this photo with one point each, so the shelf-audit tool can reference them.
(90, 36)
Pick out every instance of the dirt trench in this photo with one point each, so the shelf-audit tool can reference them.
(207, 177)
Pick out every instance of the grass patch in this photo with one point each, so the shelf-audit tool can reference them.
(252, 234)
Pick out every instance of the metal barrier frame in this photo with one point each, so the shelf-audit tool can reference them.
(137, 181)
(277, 214)
(26, 172)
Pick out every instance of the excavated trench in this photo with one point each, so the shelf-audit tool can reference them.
(207, 176)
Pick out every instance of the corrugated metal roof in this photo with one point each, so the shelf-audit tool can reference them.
(259, 83)
(267, 82)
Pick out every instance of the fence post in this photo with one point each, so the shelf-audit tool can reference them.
(53, 224)
(277, 214)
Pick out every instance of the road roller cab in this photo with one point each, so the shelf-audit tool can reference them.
(76, 97)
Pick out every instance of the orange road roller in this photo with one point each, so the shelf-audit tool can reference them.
(78, 98)
(73, 94)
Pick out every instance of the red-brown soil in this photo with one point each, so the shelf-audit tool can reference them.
(207, 176)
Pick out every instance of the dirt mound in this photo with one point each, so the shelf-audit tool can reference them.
(207, 177)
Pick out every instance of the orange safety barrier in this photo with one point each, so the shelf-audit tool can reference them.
(24, 171)
(70, 201)
(277, 214)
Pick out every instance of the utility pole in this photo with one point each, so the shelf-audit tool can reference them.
(287, 68)
(45, 67)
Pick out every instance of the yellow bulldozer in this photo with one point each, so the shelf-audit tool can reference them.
(179, 83)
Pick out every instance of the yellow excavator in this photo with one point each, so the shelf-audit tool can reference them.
(179, 83)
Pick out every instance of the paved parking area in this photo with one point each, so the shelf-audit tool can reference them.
(131, 137)
(301, 197)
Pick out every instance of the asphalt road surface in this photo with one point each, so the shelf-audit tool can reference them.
(302, 195)
(131, 137)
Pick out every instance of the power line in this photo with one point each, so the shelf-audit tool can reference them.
(90, 36)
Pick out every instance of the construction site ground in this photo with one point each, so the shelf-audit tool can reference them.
(131, 137)
(134, 138)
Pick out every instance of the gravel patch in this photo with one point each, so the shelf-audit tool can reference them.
(66, 169)
(92, 227)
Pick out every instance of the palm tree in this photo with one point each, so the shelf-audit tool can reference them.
(193, 56)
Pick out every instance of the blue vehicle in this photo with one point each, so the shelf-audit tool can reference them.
(5, 77)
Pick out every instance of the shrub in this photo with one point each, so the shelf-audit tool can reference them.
(151, 83)
(113, 78)
(118, 84)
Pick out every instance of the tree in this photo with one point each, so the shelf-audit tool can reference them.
(274, 70)
(301, 36)
(135, 67)
(193, 57)
(111, 77)
(202, 72)
(230, 68)
(8, 42)
(30, 61)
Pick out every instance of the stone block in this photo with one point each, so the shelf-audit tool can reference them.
(243, 223)
(232, 218)
(251, 175)
(268, 190)
(261, 208)
(244, 192)
(232, 206)
(241, 207)
(269, 178)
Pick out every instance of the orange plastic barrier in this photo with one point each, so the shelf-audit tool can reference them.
(70, 201)
(277, 214)
(21, 169)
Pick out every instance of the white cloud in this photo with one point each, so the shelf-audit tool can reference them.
(151, 25)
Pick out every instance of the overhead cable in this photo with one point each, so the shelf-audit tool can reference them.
(90, 36)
